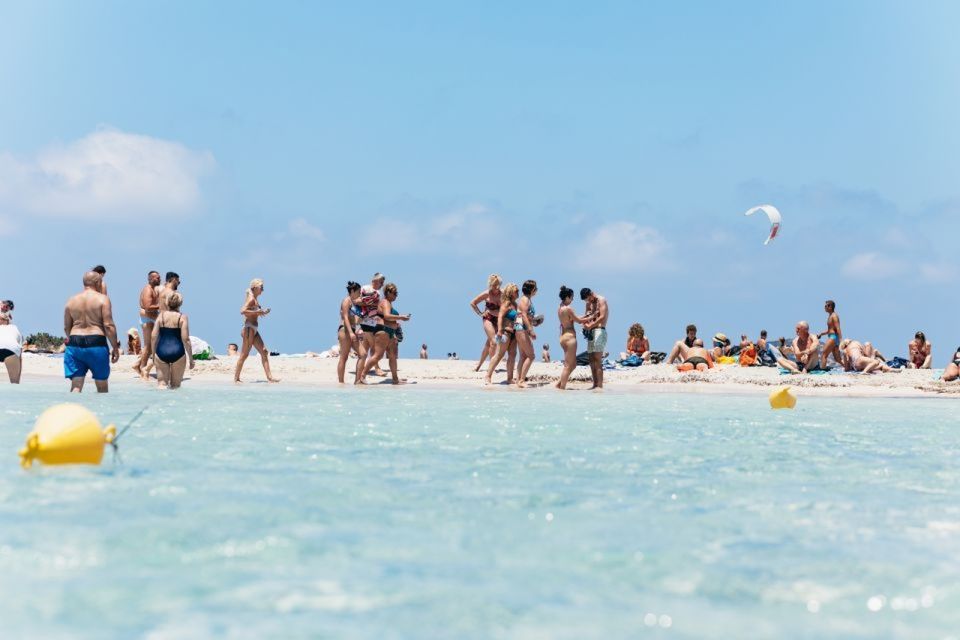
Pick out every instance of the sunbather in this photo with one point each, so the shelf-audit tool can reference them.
(856, 357)
(696, 359)
(952, 372)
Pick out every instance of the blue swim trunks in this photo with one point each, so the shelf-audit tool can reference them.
(87, 353)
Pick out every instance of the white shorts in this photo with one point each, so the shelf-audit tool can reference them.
(598, 343)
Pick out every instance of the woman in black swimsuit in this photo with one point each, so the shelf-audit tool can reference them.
(171, 344)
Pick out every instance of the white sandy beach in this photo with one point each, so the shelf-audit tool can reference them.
(321, 372)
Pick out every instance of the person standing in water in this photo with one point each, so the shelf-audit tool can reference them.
(251, 312)
(348, 334)
(568, 335)
(11, 347)
(149, 309)
(491, 300)
(89, 327)
(597, 326)
(171, 344)
(171, 286)
(102, 272)
(833, 334)
(523, 331)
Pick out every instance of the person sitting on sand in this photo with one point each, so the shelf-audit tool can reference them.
(856, 359)
(696, 358)
(952, 371)
(805, 351)
(681, 346)
(11, 347)
(423, 352)
(637, 343)
(133, 343)
(232, 349)
(833, 334)
(545, 353)
(722, 346)
(762, 341)
(921, 352)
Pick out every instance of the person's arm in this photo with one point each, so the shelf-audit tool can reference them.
(523, 309)
(928, 361)
(500, 318)
(185, 336)
(111, 330)
(155, 336)
(603, 313)
(67, 322)
(386, 310)
(480, 298)
(247, 309)
(345, 314)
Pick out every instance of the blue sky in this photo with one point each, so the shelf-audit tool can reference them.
(610, 145)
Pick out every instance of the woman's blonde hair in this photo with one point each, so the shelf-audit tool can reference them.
(494, 281)
(256, 282)
(636, 330)
(175, 301)
(511, 292)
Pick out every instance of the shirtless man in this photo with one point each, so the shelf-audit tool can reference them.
(173, 283)
(696, 358)
(833, 333)
(680, 347)
(149, 310)
(805, 350)
(102, 271)
(88, 325)
(597, 326)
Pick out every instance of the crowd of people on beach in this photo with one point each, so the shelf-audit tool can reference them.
(370, 328)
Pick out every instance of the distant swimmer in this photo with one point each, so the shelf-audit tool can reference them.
(488, 317)
(568, 335)
(523, 331)
(833, 333)
(597, 328)
(149, 309)
(89, 327)
(11, 347)
(171, 344)
(506, 341)
(252, 312)
(348, 333)
(172, 284)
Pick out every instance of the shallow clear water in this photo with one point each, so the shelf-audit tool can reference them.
(382, 513)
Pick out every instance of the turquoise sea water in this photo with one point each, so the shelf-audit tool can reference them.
(387, 513)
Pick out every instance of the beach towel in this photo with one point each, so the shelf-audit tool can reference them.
(897, 363)
(633, 361)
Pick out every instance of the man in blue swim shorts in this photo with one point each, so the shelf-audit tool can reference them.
(89, 327)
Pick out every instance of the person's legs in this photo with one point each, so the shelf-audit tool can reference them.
(13, 365)
(177, 370)
(596, 369)
(490, 345)
(366, 350)
(830, 348)
(511, 359)
(163, 374)
(869, 364)
(145, 352)
(246, 336)
(526, 357)
(678, 353)
(392, 352)
(379, 347)
(102, 386)
(951, 373)
(569, 345)
(264, 356)
(495, 358)
(346, 344)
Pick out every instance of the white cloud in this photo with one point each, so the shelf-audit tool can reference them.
(938, 272)
(465, 229)
(623, 246)
(300, 228)
(7, 228)
(106, 174)
(872, 266)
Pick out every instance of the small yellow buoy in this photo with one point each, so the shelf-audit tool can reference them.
(782, 398)
(66, 434)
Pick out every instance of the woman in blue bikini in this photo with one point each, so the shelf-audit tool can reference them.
(506, 321)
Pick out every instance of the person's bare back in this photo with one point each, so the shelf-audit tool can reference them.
(86, 314)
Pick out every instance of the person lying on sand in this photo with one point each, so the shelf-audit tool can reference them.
(696, 358)
(856, 358)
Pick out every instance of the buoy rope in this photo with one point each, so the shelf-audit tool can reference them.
(113, 443)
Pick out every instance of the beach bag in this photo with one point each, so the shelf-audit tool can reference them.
(201, 349)
(748, 356)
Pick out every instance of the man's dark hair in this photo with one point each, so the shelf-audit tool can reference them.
(234, 345)
(171, 276)
(528, 287)
(352, 286)
(585, 293)
(763, 333)
(691, 327)
(565, 292)
(150, 273)
(9, 303)
(102, 270)
(831, 304)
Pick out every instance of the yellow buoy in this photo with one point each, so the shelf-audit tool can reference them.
(66, 434)
(782, 398)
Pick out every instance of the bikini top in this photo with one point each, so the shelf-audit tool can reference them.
(511, 314)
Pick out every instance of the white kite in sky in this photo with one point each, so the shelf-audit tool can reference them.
(775, 219)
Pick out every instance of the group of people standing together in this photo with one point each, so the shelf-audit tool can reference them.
(510, 319)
